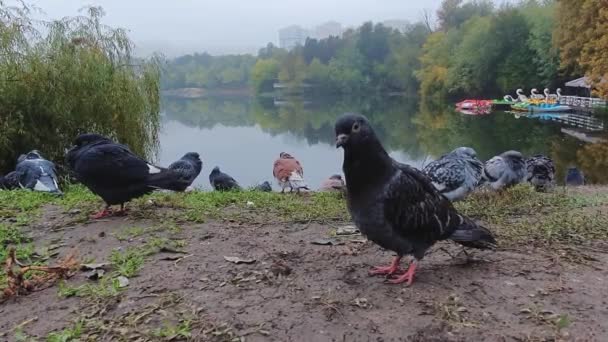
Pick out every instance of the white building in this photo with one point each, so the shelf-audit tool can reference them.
(292, 36)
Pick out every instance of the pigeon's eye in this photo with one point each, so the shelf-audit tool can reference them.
(356, 127)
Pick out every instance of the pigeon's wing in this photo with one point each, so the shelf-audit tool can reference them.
(299, 168)
(112, 164)
(225, 180)
(30, 171)
(415, 210)
(494, 169)
(284, 167)
(446, 174)
(183, 167)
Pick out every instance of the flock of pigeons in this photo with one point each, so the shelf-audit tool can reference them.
(398, 207)
(458, 173)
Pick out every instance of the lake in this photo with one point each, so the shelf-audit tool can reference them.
(243, 136)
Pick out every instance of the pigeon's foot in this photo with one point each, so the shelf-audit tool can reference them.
(104, 213)
(387, 270)
(407, 277)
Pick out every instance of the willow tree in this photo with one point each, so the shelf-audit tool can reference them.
(75, 75)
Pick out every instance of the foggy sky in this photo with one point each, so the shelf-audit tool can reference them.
(230, 26)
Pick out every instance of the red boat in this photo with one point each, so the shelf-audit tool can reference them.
(474, 104)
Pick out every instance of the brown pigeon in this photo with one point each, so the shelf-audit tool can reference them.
(289, 173)
(333, 183)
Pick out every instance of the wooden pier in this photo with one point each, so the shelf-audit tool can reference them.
(583, 103)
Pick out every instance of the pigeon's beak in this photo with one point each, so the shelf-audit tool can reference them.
(341, 140)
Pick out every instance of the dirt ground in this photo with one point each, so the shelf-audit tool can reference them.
(299, 291)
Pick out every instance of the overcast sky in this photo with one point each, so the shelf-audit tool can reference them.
(230, 26)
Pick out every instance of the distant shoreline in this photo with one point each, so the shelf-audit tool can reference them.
(191, 93)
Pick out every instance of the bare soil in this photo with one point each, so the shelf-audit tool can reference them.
(300, 291)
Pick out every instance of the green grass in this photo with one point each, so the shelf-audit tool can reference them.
(67, 334)
(129, 262)
(172, 332)
(521, 214)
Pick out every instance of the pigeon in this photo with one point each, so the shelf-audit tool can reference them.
(264, 187)
(221, 181)
(540, 172)
(10, 181)
(114, 173)
(504, 170)
(289, 173)
(395, 205)
(189, 167)
(333, 183)
(574, 177)
(36, 173)
(455, 174)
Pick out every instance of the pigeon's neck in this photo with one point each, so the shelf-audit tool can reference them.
(366, 165)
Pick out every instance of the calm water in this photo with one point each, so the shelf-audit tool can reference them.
(243, 136)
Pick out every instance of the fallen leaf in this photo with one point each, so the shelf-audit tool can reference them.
(122, 281)
(95, 274)
(326, 242)
(87, 267)
(347, 230)
(238, 260)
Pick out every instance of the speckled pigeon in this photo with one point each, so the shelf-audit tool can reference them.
(540, 172)
(395, 205)
(505, 170)
(221, 181)
(455, 174)
(289, 173)
(114, 173)
(333, 183)
(10, 181)
(188, 167)
(264, 187)
(574, 177)
(37, 173)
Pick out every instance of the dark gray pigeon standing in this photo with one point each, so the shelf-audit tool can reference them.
(114, 173)
(37, 173)
(264, 187)
(505, 170)
(395, 205)
(574, 177)
(540, 172)
(455, 174)
(221, 181)
(10, 181)
(188, 167)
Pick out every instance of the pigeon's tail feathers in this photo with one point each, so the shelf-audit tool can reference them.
(471, 234)
(166, 179)
(46, 183)
(296, 181)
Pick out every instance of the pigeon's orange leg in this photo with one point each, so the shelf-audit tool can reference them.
(104, 213)
(387, 270)
(407, 277)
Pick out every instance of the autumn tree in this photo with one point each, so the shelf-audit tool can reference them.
(581, 35)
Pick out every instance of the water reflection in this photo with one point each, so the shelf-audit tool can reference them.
(245, 135)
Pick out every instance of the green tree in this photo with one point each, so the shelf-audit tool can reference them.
(264, 74)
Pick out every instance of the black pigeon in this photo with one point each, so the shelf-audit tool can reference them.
(264, 187)
(10, 181)
(37, 173)
(114, 173)
(574, 177)
(505, 170)
(395, 205)
(455, 174)
(188, 167)
(540, 172)
(221, 181)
